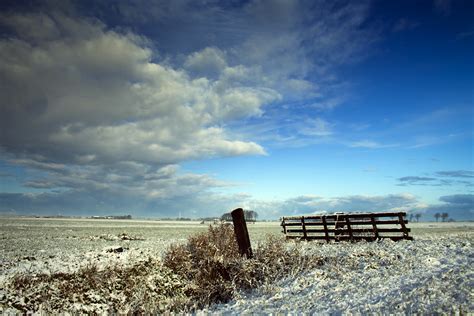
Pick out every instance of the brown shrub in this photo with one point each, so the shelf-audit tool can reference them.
(216, 272)
(208, 262)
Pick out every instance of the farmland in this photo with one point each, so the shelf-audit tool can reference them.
(431, 274)
(45, 238)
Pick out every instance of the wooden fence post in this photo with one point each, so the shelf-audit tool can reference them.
(374, 227)
(326, 233)
(349, 228)
(241, 233)
(401, 219)
(303, 225)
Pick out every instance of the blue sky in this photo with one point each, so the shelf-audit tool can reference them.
(160, 108)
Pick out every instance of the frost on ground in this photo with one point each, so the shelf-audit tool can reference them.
(432, 274)
(428, 275)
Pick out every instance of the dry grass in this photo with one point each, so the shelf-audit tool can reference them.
(206, 270)
(145, 286)
(215, 272)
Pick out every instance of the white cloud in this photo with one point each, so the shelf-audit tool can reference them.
(458, 207)
(440, 178)
(95, 95)
(209, 62)
(309, 204)
(108, 115)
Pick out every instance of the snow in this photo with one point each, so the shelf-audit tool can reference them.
(430, 275)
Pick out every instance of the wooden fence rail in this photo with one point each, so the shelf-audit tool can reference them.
(347, 226)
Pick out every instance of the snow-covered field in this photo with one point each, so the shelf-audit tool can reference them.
(432, 274)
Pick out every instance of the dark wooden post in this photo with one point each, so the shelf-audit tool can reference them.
(283, 223)
(326, 233)
(241, 233)
(374, 227)
(303, 225)
(401, 219)
(349, 228)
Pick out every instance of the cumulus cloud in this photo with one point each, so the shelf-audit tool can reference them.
(459, 199)
(108, 113)
(132, 187)
(308, 204)
(96, 93)
(90, 110)
(86, 79)
(209, 63)
(293, 47)
(459, 206)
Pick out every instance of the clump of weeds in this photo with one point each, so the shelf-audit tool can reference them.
(215, 271)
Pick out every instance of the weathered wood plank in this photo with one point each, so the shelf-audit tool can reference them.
(352, 215)
(332, 223)
(342, 237)
(356, 226)
(241, 233)
(345, 230)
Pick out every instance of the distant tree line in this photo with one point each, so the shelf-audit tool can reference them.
(185, 219)
(444, 217)
(250, 216)
(414, 216)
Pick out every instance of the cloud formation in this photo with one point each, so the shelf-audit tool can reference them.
(415, 180)
(104, 112)
(175, 198)
(440, 178)
(456, 173)
(458, 206)
(308, 204)
(75, 92)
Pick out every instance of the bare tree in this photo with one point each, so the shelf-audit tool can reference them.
(444, 216)
(227, 217)
(437, 216)
(250, 216)
(417, 216)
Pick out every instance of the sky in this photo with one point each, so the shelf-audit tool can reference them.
(194, 108)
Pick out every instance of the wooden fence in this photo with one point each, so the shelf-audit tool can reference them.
(347, 226)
